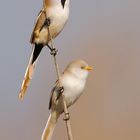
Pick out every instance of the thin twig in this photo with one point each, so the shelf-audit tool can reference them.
(67, 116)
(67, 119)
(54, 56)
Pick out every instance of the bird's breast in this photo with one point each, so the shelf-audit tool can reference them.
(58, 18)
(73, 88)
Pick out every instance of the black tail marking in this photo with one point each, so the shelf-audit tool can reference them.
(37, 50)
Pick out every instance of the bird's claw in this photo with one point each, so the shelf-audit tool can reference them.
(53, 51)
(61, 90)
(47, 22)
(67, 117)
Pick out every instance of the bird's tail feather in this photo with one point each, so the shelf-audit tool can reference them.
(49, 128)
(30, 70)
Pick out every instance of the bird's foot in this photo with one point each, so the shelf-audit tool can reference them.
(67, 117)
(60, 90)
(53, 51)
(47, 22)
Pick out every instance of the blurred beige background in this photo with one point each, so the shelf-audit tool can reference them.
(105, 33)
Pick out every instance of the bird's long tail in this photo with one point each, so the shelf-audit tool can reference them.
(30, 69)
(49, 128)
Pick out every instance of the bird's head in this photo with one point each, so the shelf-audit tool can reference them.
(79, 68)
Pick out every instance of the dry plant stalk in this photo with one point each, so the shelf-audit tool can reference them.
(67, 116)
(66, 113)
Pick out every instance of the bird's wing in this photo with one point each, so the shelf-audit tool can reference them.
(41, 18)
(55, 94)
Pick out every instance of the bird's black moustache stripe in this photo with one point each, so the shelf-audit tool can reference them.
(63, 3)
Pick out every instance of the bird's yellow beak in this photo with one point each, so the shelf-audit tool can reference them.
(88, 68)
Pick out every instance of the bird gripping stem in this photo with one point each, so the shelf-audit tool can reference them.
(54, 53)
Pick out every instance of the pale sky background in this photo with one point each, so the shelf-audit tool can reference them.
(105, 33)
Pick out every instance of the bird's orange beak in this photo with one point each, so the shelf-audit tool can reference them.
(88, 68)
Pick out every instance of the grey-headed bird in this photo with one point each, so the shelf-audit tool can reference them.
(73, 81)
(54, 14)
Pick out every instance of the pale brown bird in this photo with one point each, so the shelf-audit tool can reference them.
(54, 14)
(73, 81)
